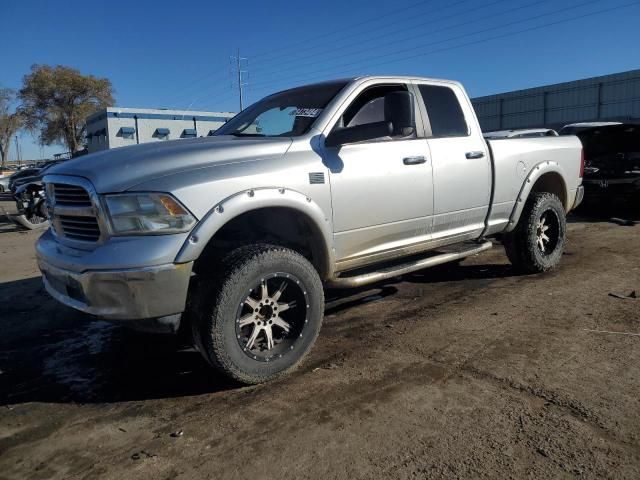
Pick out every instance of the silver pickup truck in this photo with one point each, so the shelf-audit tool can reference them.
(337, 184)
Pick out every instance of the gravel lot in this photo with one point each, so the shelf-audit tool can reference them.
(461, 372)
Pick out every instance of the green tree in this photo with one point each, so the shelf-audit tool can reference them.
(57, 100)
(10, 122)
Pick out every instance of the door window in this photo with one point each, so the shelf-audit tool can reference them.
(368, 108)
(444, 111)
(371, 112)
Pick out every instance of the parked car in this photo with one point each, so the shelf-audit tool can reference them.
(612, 163)
(24, 173)
(28, 175)
(348, 182)
(575, 128)
(30, 205)
(4, 184)
(521, 133)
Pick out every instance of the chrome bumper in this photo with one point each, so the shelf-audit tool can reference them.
(125, 294)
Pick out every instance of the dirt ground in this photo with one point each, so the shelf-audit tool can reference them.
(466, 371)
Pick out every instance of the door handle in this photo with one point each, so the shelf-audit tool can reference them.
(475, 154)
(414, 160)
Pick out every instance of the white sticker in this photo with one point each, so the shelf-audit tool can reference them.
(306, 112)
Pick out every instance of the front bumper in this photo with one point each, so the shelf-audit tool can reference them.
(125, 294)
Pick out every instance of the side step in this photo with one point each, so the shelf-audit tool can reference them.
(453, 253)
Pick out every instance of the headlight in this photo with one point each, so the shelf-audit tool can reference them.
(147, 213)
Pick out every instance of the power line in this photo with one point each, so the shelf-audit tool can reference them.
(192, 101)
(299, 51)
(209, 76)
(215, 74)
(351, 65)
(182, 97)
(429, 33)
(379, 16)
(370, 63)
(212, 75)
(505, 35)
(209, 98)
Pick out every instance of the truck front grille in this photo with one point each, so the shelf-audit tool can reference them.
(71, 195)
(80, 228)
(72, 210)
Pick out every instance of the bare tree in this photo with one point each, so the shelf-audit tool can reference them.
(10, 122)
(57, 100)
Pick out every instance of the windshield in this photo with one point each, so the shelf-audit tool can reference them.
(286, 114)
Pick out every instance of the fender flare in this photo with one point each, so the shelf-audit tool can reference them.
(253, 199)
(540, 169)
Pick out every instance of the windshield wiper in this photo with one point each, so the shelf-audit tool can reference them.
(240, 134)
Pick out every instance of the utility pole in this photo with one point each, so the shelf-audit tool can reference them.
(239, 72)
(18, 156)
(239, 80)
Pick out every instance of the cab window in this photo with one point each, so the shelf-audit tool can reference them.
(444, 111)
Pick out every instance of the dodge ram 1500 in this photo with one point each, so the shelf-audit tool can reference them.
(339, 184)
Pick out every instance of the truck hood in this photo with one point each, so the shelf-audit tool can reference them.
(122, 168)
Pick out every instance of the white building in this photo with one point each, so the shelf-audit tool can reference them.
(117, 127)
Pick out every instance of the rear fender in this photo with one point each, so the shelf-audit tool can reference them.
(535, 174)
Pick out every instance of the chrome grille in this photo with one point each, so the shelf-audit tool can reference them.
(80, 228)
(71, 195)
(73, 209)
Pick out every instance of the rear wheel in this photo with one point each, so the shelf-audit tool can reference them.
(538, 241)
(260, 314)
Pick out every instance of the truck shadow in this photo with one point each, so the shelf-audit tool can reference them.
(49, 353)
(7, 226)
(604, 213)
(7, 207)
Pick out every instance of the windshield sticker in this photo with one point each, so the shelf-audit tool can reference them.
(306, 112)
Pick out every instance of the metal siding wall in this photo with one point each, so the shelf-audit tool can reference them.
(489, 114)
(610, 97)
(615, 99)
(523, 111)
(566, 106)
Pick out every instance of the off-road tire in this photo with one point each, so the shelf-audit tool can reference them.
(521, 245)
(215, 310)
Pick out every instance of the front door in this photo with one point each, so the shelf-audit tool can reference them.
(381, 189)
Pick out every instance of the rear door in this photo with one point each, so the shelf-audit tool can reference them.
(460, 161)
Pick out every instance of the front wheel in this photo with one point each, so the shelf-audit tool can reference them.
(259, 314)
(537, 243)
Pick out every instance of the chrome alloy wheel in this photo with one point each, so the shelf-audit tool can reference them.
(272, 317)
(548, 231)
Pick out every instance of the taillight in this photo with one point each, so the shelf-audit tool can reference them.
(581, 162)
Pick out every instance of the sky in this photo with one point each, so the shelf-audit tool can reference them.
(177, 54)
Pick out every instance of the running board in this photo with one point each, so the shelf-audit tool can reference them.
(456, 252)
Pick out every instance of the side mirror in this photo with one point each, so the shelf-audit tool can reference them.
(399, 111)
(359, 133)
